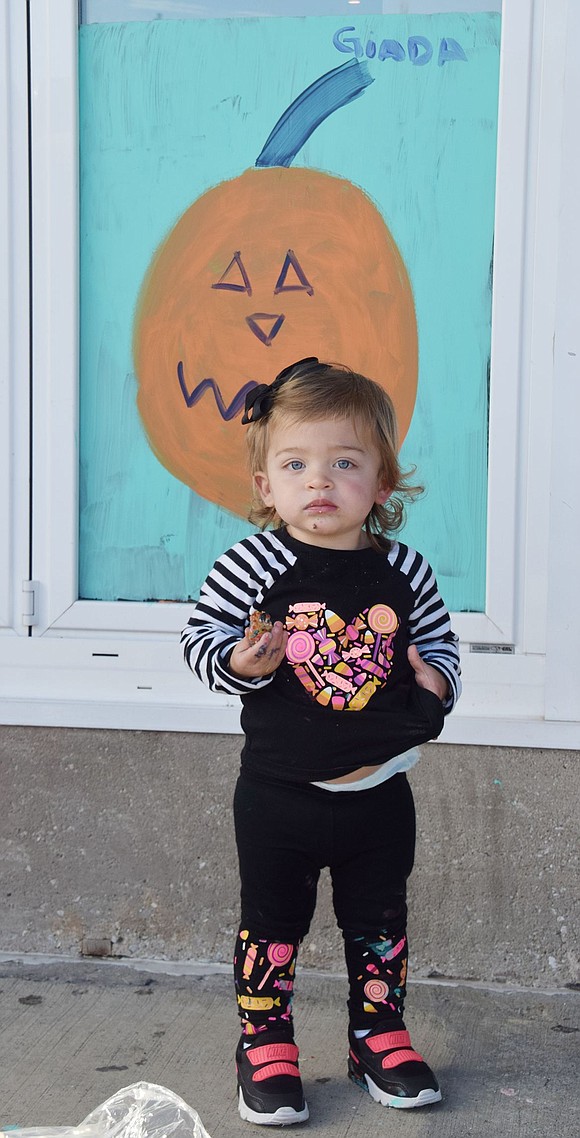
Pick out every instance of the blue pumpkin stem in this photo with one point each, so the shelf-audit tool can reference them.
(333, 90)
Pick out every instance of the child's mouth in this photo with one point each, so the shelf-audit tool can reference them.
(322, 506)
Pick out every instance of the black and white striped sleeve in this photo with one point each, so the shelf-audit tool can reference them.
(232, 590)
(429, 623)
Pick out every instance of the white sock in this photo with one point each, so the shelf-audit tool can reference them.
(361, 1034)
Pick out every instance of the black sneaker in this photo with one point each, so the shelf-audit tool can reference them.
(384, 1064)
(269, 1084)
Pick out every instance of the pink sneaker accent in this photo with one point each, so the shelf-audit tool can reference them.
(395, 1058)
(275, 1069)
(271, 1052)
(388, 1040)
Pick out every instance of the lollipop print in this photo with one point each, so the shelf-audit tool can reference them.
(300, 648)
(376, 990)
(383, 621)
(278, 955)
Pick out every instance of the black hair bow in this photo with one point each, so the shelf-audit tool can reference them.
(260, 399)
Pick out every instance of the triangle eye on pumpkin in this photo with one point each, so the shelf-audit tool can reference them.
(291, 262)
(235, 277)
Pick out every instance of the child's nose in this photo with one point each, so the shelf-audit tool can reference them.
(319, 477)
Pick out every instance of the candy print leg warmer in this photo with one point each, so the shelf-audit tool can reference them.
(264, 980)
(377, 971)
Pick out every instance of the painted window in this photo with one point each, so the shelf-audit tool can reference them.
(255, 191)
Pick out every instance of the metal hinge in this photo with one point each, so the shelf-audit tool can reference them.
(493, 649)
(30, 590)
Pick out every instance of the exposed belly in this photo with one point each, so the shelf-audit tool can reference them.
(354, 776)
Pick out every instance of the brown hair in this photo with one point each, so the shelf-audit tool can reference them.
(334, 391)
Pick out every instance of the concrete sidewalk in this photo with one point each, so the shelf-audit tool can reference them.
(74, 1033)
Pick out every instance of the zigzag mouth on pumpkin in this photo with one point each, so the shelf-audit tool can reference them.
(227, 410)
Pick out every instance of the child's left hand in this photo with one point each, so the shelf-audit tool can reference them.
(261, 658)
(427, 676)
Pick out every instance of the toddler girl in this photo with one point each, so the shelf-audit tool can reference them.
(360, 666)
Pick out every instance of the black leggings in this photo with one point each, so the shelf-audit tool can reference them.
(286, 833)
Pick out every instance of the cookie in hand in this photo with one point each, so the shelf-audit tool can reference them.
(260, 622)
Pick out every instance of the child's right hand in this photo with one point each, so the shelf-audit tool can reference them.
(250, 661)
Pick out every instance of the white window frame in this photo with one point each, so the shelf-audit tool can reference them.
(117, 664)
(14, 322)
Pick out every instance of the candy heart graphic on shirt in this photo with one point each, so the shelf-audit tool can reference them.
(341, 664)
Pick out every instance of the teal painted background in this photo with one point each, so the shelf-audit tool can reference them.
(169, 108)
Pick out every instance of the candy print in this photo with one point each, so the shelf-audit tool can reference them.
(362, 696)
(301, 646)
(306, 679)
(279, 955)
(324, 697)
(381, 947)
(381, 987)
(302, 621)
(333, 622)
(341, 664)
(370, 666)
(382, 619)
(303, 615)
(376, 990)
(258, 1003)
(300, 649)
(353, 653)
(386, 950)
(338, 681)
(249, 961)
(396, 949)
(328, 649)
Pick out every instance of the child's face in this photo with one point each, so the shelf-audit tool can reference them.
(322, 477)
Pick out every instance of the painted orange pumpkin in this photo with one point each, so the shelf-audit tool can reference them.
(277, 264)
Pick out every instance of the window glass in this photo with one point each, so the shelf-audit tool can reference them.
(258, 190)
(115, 11)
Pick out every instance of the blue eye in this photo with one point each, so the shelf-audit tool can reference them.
(296, 464)
(343, 463)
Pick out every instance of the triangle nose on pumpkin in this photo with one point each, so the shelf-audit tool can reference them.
(265, 325)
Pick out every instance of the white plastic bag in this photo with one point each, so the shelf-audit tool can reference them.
(143, 1110)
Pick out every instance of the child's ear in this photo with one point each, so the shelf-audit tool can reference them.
(384, 492)
(262, 484)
